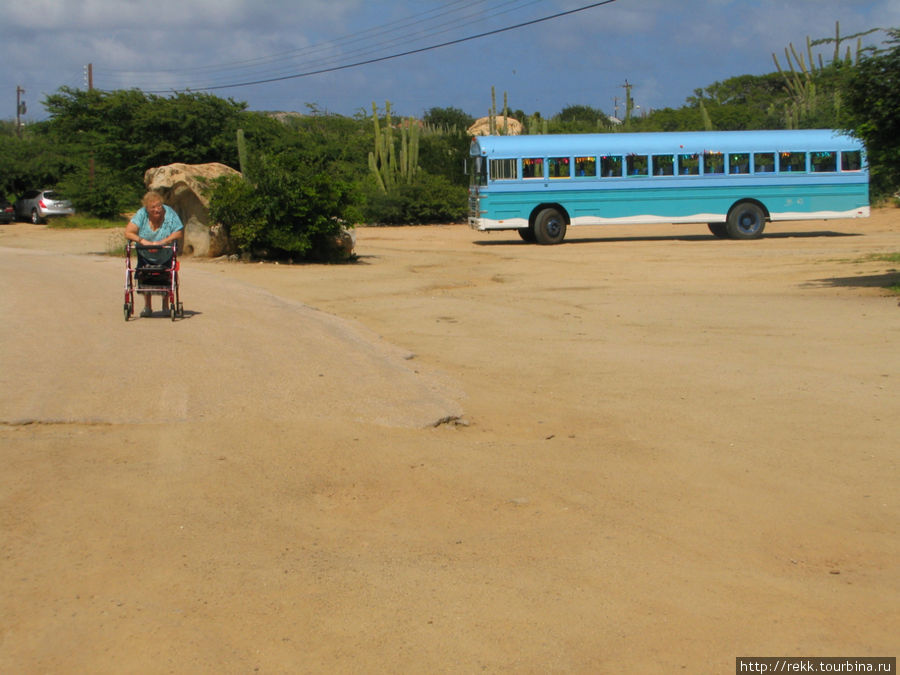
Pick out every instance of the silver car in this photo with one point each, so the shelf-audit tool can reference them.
(6, 212)
(38, 205)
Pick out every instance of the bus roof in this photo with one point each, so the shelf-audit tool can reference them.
(687, 142)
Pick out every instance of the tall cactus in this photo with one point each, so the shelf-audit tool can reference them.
(493, 129)
(492, 113)
(800, 74)
(409, 151)
(389, 170)
(505, 131)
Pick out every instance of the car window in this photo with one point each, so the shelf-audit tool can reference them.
(53, 195)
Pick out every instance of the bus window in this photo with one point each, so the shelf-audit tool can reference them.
(558, 167)
(610, 167)
(663, 165)
(533, 168)
(823, 161)
(636, 165)
(689, 165)
(738, 162)
(792, 162)
(851, 160)
(586, 166)
(503, 169)
(764, 162)
(713, 163)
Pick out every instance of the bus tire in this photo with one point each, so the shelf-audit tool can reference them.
(746, 221)
(527, 234)
(549, 227)
(719, 230)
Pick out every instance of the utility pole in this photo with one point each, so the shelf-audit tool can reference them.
(21, 109)
(629, 102)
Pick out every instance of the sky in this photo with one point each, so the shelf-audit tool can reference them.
(340, 56)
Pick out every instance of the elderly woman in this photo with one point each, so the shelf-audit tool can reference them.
(154, 223)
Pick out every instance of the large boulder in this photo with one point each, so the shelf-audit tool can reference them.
(183, 186)
(482, 126)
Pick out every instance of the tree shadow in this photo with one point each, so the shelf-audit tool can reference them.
(889, 279)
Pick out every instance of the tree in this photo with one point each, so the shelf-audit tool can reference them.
(341, 143)
(108, 139)
(872, 97)
(444, 146)
(30, 162)
(131, 131)
(743, 102)
(448, 119)
(579, 119)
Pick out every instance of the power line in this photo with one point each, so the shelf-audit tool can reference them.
(409, 52)
(455, 14)
(380, 30)
(494, 9)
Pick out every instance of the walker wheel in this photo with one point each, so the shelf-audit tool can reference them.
(128, 311)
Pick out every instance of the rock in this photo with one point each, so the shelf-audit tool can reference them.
(196, 237)
(345, 242)
(183, 187)
(482, 126)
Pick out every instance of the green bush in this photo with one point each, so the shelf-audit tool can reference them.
(235, 203)
(285, 209)
(431, 199)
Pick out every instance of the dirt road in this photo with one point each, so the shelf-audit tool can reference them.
(664, 451)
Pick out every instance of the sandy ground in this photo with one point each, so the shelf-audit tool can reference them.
(659, 451)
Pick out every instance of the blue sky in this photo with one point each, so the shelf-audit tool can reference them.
(665, 48)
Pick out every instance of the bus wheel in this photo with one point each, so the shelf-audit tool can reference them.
(549, 227)
(527, 234)
(746, 221)
(718, 229)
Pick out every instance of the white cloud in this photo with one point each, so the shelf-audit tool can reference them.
(665, 48)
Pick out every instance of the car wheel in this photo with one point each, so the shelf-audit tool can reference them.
(35, 217)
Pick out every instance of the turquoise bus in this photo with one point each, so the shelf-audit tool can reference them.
(735, 181)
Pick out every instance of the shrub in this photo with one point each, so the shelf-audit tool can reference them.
(431, 199)
(283, 209)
